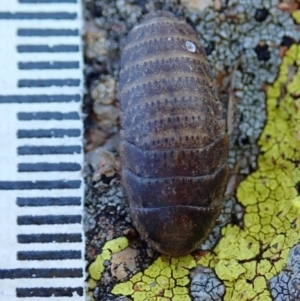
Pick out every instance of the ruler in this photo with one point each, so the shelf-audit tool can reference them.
(41, 186)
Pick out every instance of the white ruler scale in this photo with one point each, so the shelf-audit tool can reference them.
(41, 186)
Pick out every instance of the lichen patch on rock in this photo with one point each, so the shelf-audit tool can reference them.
(245, 259)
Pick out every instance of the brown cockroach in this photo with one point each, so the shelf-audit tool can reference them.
(174, 143)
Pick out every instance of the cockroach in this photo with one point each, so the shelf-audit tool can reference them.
(174, 145)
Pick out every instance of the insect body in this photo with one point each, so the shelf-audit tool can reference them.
(174, 144)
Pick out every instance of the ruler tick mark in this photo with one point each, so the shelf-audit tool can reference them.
(47, 48)
(48, 150)
(48, 219)
(35, 32)
(46, 1)
(49, 255)
(48, 167)
(48, 201)
(26, 116)
(38, 16)
(48, 65)
(27, 185)
(41, 273)
(55, 133)
(49, 292)
(41, 83)
(49, 238)
(42, 98)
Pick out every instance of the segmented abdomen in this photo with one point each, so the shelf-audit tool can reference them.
(174, 146)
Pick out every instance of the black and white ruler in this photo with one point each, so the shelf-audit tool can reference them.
(41, 186)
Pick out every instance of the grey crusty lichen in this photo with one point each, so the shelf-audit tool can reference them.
(205, 286)
(286, 285)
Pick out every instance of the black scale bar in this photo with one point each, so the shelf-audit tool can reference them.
(42, 98)
(46, 1)
(48, 167)
(26, 220)
(49, 292)
(48, 255)
(26, 116)
(37, 16)
(47, 48)
(29, 185)
(27, 150)
(41, 273)
(35, 32)
(48, 201)
(42, 83)
(49, 238)
(56, 65)
(55, 133)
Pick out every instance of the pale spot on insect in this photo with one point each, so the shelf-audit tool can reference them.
(190, 46)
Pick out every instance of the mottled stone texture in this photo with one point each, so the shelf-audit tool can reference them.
(174, 146)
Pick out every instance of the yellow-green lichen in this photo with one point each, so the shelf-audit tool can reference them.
(111, 247)
(296, 15)
(245, 259)
(165, 279)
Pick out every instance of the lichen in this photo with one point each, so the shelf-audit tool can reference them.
(286, 283)
(245, 259)
(167, 278)
(111, 247)
(205, 285)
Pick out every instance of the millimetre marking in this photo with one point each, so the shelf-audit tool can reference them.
(47, 48)
(34, 32)
(48, 201)
(26, 116)
(48, 150)
(41, 83)
(48, 167)
(47, 65)
(42, 98)
(48, 255)
(38, 16)
(56, 133)
(49, 292)
(49, 238)
(27, 185)
(41, 273)
(47, 1)
(26, 220)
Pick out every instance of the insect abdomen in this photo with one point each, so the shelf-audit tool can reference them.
(174, 146)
